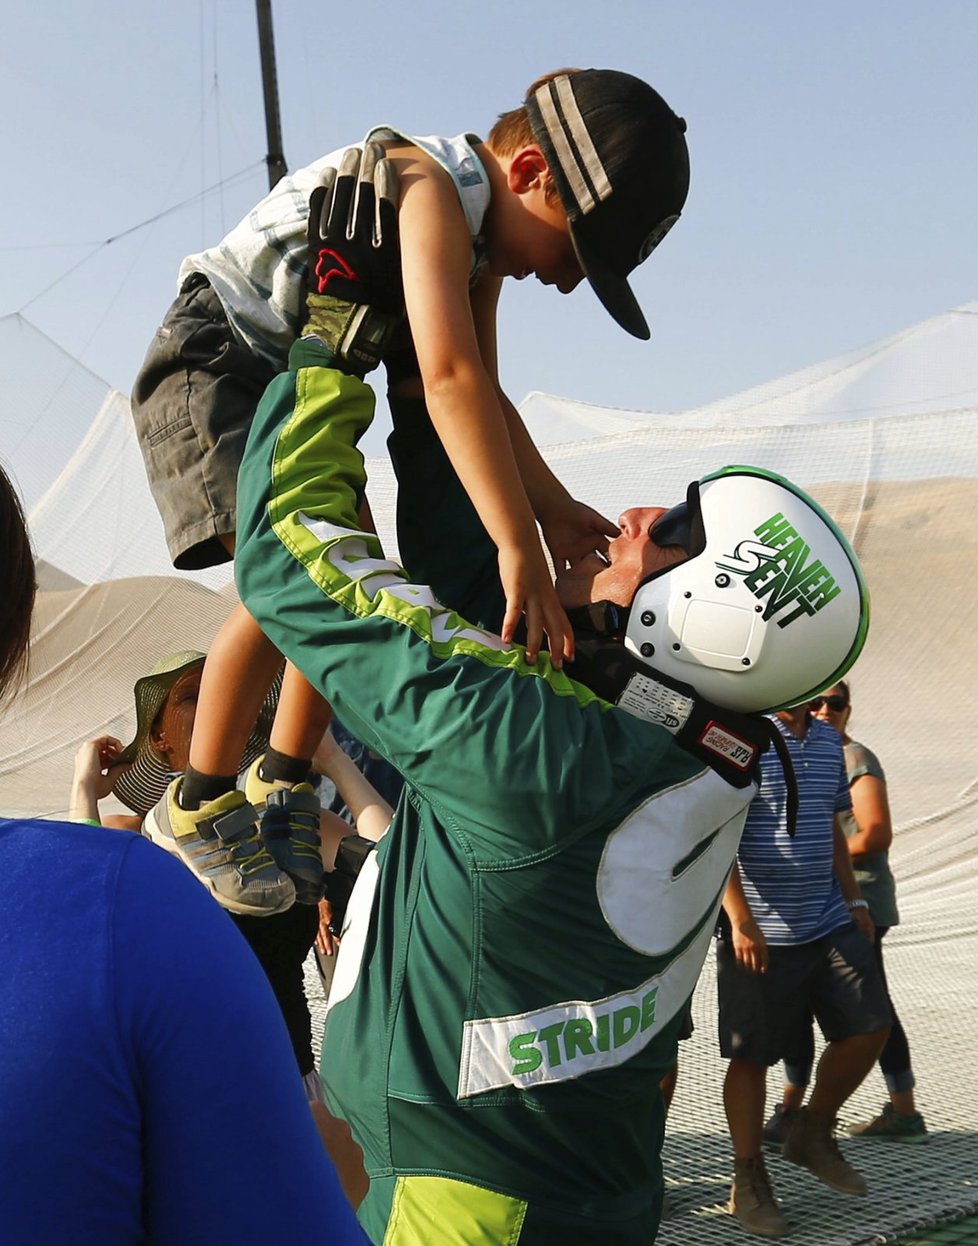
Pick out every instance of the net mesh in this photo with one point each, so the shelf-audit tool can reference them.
(885, 438)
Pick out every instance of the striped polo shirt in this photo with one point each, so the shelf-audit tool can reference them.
(789, 883)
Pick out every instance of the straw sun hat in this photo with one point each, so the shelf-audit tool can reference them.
(146, 780)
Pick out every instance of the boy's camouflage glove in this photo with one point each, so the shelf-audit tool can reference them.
(355, 298)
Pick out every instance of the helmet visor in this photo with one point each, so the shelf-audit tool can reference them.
(682, 525)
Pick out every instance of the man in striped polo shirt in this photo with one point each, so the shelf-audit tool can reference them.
(795, 939)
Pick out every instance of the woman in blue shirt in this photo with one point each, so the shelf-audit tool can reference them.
(128, 1113)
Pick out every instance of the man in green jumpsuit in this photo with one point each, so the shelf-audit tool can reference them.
(520, 949)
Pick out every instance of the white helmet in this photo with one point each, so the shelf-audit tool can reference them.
(769, 608)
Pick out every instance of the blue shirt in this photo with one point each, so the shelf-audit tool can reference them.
(148, 1091)
(789, 883)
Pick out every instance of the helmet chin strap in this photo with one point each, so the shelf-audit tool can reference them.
(602, 618)
(728, 742)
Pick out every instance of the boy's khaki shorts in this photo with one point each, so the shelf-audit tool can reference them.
(193, 402)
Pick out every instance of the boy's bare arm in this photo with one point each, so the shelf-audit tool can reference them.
(462, 399)
(571, 529)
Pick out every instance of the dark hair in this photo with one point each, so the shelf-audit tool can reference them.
(17, 588)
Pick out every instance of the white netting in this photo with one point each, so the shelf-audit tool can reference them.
(886, 438)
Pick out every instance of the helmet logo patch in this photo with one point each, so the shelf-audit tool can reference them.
(778, 566)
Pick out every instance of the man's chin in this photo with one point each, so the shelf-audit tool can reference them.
(578, 584)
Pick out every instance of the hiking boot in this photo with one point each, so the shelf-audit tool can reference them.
(892, 1125)
(810, 1143)
(751, 1200)
(220, 844)
(289, 819)
(776, 1129)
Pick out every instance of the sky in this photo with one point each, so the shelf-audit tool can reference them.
(832, 201)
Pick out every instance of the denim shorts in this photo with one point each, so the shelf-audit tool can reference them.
(835, 978)
(193, 402)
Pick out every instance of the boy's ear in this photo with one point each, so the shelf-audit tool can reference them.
(528, 169)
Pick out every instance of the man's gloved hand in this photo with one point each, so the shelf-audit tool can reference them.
(354, 296)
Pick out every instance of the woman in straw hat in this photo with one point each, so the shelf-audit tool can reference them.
(166, 705)
(129, 1114)
(138, 775)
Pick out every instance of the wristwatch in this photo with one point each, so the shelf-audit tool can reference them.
(857, 904)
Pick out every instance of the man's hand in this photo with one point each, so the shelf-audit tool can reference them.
(354, 294)
(325, 942)
(864, 923)
(749, 945)
(746, 937)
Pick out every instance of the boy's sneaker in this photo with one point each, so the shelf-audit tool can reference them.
(892, 1125)
(220, 844)
(776, 1129)
(289, 819)
(752, 1201)
(811, 1143)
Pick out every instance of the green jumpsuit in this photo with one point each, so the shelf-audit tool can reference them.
(521, 946)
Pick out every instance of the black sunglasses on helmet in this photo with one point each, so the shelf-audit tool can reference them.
(682, 525)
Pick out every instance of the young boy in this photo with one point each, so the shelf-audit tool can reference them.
(583, 180)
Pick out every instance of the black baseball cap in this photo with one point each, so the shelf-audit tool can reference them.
(618, 156)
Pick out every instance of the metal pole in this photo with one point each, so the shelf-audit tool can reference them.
(273, 124)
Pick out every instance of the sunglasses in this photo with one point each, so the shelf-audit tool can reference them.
(838, 704)
(682, 525)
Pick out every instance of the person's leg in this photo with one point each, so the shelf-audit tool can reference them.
(745, 1041)
(667, 1086)
(278, 785)
(848, 996)
(810, 1141)
(843, 1067)
(193, 402)
(751, 1197)
(895, 1057)
(281, 943)
(899, 1121)
(894, 1064)
(241, 665)
(300, 720)
(849, 1000)
(202, 818)
(744, 1090)
(798, 1060)
(240, 669)
(792, 1094)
